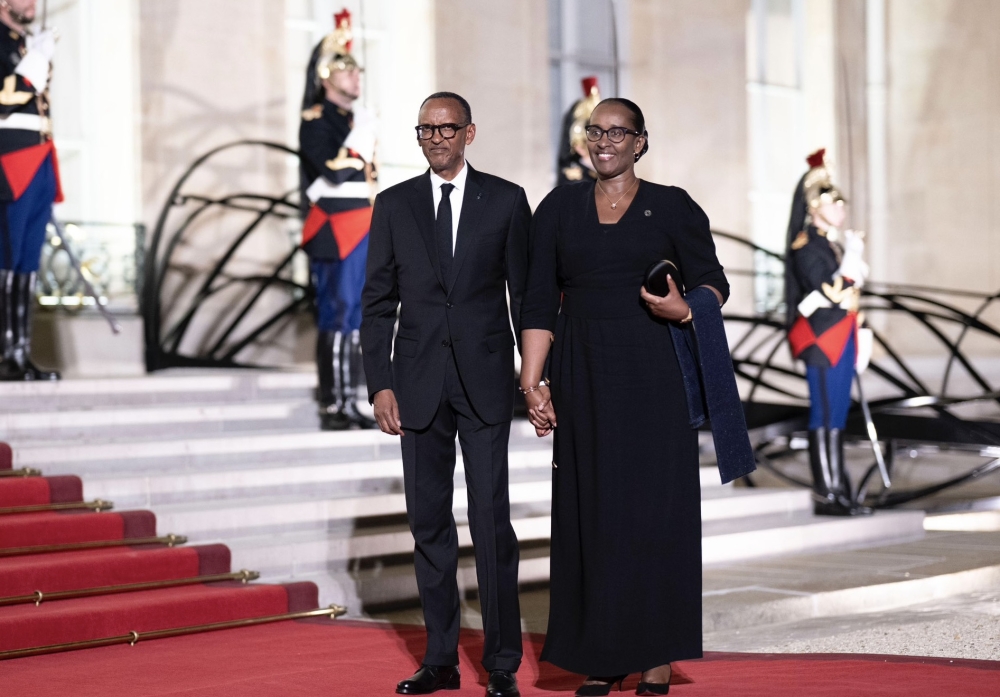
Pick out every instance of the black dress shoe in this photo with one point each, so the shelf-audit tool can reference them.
(502, 683)
(430, 679)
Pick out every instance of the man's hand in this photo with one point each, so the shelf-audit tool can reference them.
(387, 413)
(670, 307)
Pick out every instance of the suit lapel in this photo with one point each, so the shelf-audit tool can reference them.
(422, 205)
(473, 205)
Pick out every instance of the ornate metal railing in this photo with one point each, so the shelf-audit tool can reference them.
(911, 407)
(207, 304)
(111, 258)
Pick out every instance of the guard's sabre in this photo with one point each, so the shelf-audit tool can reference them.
(872, 434)
(115, 327)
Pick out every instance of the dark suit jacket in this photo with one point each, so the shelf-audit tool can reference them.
(467, 313)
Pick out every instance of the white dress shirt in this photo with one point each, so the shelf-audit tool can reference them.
(455, 198)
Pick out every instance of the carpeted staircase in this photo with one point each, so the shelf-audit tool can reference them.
(71, 572)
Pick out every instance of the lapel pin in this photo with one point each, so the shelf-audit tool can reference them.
(479, 195)
(648, 213)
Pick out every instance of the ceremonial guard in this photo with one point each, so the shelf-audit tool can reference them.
(574, 160)
(337, 141)
(824, 272)
(29, 181)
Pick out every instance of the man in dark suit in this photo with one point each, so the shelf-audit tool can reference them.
(447, 246)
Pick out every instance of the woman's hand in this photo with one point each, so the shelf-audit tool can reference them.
(541, 413)
(671, 307)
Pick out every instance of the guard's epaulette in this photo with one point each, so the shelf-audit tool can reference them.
(801, 240)
(312, 113)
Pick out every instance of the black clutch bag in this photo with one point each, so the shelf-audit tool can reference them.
(656, 277)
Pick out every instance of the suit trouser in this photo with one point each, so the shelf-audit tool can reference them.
(428, 475)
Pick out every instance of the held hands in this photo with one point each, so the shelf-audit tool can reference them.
(387, 413)
(671, 307)
(541, 413)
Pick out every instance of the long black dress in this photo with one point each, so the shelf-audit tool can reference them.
(626, 513)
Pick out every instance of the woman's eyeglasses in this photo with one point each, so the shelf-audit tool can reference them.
(616, 134)
(447, 130)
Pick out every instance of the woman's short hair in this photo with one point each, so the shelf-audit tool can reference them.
(639, 121)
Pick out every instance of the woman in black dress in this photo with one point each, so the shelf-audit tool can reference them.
(626, 515)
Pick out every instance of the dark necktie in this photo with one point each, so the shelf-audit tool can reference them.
(442, 227)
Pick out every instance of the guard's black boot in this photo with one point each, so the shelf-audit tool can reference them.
(24, 290)
(351, 368)
(824, 489)
(9, 369)
(330, 393)
(841, 480)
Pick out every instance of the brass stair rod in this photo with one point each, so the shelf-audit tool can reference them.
(22, 472)
(96, 506)
(39, 596)
(333, 612)
(170, 541)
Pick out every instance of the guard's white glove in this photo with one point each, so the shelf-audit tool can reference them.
(362, 137)
(43, 41)
(812, 302)
(34, 65)
(853, 264)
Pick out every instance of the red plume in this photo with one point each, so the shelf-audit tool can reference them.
(816, 159)
(589, 83)
(343, 17)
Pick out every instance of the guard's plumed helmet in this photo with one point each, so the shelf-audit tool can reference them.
(335, 51)
(581, 113)
(817, 184)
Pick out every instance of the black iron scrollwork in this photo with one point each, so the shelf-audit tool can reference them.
(910, 408)
(229, 330)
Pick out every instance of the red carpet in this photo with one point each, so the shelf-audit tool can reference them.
(80, 619)
(30, 529)
(322, 657)
(27, 626)
(107, 567)
(33, 491)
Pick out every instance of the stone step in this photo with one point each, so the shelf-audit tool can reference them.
(329, 479)
(729, 540)
(311, 550)
(178, 454)
(82, 456)
(168, 387)
(312, 506)
(891, 575)
(155, 422)
(346, 579)
(361, 589)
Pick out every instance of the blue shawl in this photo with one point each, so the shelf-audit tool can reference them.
(710, 384)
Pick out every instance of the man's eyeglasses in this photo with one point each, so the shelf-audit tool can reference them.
(447, 130)
(616, 134)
